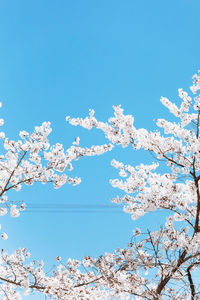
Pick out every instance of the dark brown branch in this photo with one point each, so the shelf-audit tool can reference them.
(13, 172)
(196, 226)
(192, 287)
(166, 279)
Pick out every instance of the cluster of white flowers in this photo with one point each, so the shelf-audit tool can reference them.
(155, 265)
(173, 248)
(120, 130)
(32, 159)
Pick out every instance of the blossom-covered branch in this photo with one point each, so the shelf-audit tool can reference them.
(155, 265)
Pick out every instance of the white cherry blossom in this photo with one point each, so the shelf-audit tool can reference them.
(155, 265)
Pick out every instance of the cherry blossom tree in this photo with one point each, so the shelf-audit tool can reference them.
(155, 265)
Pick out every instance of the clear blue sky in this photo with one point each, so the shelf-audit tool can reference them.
(61, 58)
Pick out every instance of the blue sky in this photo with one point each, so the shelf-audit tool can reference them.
(61, 58)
